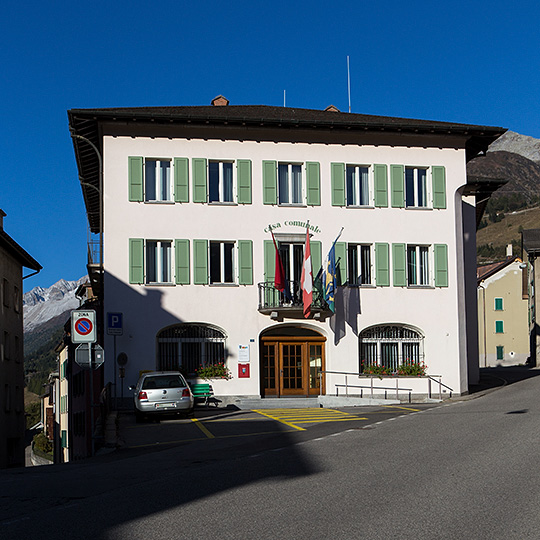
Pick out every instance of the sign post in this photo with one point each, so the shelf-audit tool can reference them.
(115, 327)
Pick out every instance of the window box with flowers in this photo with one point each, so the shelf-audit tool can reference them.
(407, 369)
(213, 371)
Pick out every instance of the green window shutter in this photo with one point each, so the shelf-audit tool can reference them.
(199, 180)
(136, 260)
(500, 352)
(316, 256)
(269, 260)
(337, 178)
(313, 182)
(498, 304)
(181, 180)
(135, 175)
(399, 265)
(439, 187)
(200, 262)
(397, 181)
(499, 327)
(382, 265)
(243, 181)
(63, 441)
(245, 262)
(341, 263)
(381, 185)
(269, 182)
(441, 265)
(181, 254)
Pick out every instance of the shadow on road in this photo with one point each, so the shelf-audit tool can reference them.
(501, 376)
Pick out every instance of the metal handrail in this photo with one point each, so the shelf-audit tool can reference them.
(371, 377)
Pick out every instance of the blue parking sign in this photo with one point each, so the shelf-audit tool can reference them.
(115, 324)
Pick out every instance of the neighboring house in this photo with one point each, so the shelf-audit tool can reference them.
(186, 198)
(13, 258)
(503, 331)
(75, 414)
(530, 239)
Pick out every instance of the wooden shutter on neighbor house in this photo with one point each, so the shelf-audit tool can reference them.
(399, 265)
(397, 181)
(341, 262)
(381, 185)
(438, 175)
(136, 260)
(382, 265)
(441, 265)
(135, 178)
(181, 180)
(243, 181)
(200, 262)
(337, 179)
(245, 262)
(181, 254)
(269, 182)
(269, 261)
(313, 183)
(199, 180)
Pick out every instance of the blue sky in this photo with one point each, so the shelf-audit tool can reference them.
(461, 61)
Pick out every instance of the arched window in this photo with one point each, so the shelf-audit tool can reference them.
(189, 346)
(390, 346)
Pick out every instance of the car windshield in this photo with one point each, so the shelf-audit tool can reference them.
(163, 381)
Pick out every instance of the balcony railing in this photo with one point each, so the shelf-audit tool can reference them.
(94, 252)
(272, 300)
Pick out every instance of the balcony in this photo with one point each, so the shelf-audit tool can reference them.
(95, 267)
(274, 303)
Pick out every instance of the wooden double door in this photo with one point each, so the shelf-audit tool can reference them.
(291, 366)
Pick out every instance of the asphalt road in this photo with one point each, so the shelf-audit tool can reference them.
(460, 470)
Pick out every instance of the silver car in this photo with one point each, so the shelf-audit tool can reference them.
(161, 392)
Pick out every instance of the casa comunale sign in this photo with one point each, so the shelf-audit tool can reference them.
(291, 223)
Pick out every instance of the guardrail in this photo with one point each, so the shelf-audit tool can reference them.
(397, 389)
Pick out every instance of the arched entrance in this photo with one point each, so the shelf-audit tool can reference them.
(291, 361)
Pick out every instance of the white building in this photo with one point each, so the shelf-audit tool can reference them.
(189, 194)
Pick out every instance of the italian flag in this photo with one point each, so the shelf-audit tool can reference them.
(306, 281)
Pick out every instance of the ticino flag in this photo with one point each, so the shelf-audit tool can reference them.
(307, 277)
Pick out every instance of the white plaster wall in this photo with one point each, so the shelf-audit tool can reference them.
(147, 309)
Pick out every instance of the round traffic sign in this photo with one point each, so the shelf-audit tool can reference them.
(83, 326)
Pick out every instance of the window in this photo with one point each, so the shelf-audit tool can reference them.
(220, 181)
(359, 264)
(290, 184)
(415, 187)
(5, 291)
(357, 185)
(390, 346)
(189, 346)
(7, 351)
(222, 262)
(16, 299)
(158, 261)
(498, 304)
(500, 352)
(417, 265)
(499, 327)
(157, 180)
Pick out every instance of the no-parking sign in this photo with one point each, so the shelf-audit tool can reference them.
(83, 326)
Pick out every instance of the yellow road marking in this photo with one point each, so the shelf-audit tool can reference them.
(202, 428)
(404, 408)
(291, 417)
(206, 438)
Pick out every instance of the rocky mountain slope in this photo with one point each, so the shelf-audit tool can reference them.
(41, 305)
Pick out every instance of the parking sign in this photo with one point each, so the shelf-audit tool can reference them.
(115, 324)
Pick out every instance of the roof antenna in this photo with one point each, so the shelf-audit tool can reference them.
(349, 82)
(284, 98)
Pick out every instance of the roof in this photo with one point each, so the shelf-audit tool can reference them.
(85, 124)
(483, 272)
(17, 252)
(531, 241)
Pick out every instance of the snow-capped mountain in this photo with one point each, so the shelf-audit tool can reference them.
(41, 305)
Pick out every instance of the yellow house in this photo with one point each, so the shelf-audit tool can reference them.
(503, 338)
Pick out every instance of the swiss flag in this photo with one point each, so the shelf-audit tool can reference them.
(306, 281)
